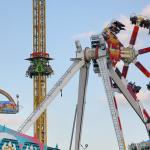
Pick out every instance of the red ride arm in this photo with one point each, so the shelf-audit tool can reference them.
(142, 69)
(125, 70)
(146, 114)
(144, 50)
(134, 35)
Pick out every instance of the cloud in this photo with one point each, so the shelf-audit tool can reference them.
(83, 35)
(146, 11)
(143, 96)
(124, 36)
(10, 121)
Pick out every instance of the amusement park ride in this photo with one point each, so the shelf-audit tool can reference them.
(10, 106)
(39, 68)
(105, 53)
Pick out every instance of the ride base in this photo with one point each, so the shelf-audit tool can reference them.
(11, 139)
(145, 145)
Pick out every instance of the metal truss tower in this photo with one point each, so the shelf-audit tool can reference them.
(39, 68)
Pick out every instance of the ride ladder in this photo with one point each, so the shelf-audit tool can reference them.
(102, 62)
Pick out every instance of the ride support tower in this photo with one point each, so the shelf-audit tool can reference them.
(39, 69)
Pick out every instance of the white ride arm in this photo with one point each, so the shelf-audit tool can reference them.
(123, 88)
(132, 99)
(51, 95)
(83, 81)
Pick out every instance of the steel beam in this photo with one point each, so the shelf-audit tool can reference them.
(123, 88)
(83, 81)
(51, 95)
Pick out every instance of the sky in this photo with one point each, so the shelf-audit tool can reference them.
(68, 21)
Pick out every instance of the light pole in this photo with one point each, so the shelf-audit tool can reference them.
(84, 147)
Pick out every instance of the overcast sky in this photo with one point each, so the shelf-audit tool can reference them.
(67, 21)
